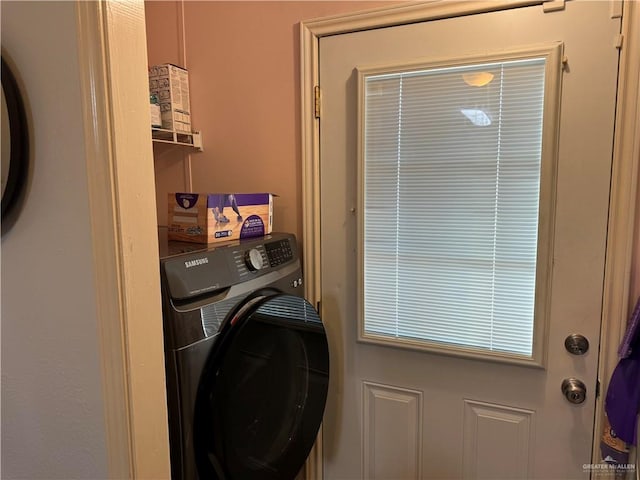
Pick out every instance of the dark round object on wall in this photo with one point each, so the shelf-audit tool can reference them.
(14, 141)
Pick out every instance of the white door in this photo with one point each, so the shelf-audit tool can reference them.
(402, 406)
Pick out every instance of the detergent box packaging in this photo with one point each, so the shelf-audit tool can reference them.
(170, 84)
(215, 217)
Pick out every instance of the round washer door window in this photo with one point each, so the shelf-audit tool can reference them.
(262, 393)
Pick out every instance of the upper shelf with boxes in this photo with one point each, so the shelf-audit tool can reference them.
(170, 107)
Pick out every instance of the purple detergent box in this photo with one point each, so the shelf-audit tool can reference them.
(216, 217)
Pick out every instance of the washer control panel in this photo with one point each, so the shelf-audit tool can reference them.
(200, 270)
(260, 256)
(279, 252)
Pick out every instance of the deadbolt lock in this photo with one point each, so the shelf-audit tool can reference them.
(576, 344)
(574, 390)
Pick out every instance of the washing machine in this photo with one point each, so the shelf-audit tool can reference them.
(247, 360)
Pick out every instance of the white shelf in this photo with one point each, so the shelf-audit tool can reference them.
(192, 139)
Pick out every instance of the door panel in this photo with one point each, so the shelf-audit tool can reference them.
(392, 436)
(475, 419)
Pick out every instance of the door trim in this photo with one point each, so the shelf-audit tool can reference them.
(626, 159)
(623, 210)
(114, 87)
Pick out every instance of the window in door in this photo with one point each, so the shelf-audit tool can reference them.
(456, 182)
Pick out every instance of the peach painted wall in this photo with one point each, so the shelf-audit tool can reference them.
(243, 62)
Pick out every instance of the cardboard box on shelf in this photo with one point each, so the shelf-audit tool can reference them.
(215, 217)
(170, 84)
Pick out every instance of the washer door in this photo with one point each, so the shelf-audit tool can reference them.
(262, 393)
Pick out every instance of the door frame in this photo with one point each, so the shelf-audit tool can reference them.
(112, 57)
(624, 181)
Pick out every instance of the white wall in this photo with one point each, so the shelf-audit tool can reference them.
(52, 407)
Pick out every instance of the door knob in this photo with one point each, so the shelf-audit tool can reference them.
(576, 344)
(574, 390)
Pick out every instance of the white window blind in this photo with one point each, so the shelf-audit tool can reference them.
(451, 187)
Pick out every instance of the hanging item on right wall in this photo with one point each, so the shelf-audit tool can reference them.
(622, 403)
